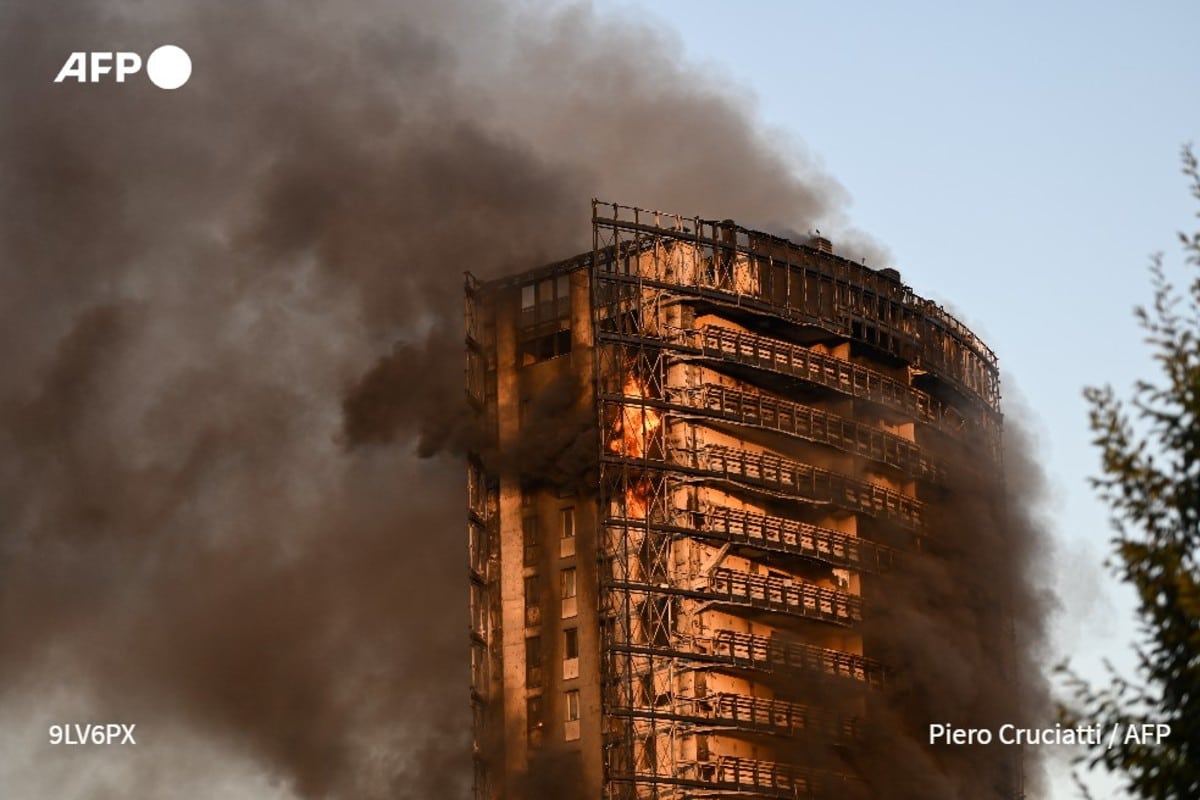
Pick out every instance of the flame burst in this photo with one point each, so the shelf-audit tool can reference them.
(631, 434)
(635, 424)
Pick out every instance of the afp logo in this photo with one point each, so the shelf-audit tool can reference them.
(168, 67)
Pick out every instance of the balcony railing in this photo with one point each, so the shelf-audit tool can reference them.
(769, 778)
(804, 481)
(820, 369)
(728, 710)
(798, 538)
(811, 424)
(768, 654)
(756, 269)
(774, 594)
(786, 716)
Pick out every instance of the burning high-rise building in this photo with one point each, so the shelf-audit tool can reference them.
(768, 432)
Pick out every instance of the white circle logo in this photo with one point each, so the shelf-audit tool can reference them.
(169, 67)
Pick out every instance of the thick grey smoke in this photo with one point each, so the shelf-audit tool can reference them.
(196, 285)
(230, 505)
(962, 628)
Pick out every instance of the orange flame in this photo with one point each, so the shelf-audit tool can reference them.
(636, 423)
(631, 432)
(637, 499)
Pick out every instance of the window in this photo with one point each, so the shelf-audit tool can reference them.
(533, 601)
(570, 664)
(529, 530)
(477, 541)
(478, 667)
(533, 651)
(545, 320)
(546, 301)
(533, 713)
(478, 611)
(571, 643)
(571, 723)
(569, 588)
(533, 591)
(566, 545)
(533, 662)
(545, 347)
(545, 298)
(476, 490)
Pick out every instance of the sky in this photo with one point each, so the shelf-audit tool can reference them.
(1021, 162)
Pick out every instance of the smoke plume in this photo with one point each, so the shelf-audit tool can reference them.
(230, 502)
(961, 628)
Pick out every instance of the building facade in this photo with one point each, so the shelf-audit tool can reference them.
(679, 615)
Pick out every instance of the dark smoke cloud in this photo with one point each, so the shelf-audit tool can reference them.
(387, 402)
(963, 629)
(230, 501)
(214, 517)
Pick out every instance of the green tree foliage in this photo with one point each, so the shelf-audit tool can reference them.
(1150, 480)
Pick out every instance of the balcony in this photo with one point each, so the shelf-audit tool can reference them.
(804, 481)
(782, 535)
(770, 655)
(783, 716)
(769, 779)
(839, 375)
(811, 424)
(784, 597)
(750, 269)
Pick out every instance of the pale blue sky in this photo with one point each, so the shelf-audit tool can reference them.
(1021, 161)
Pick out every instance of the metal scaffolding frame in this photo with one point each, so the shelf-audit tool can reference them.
(644, 264)
(483, 541)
